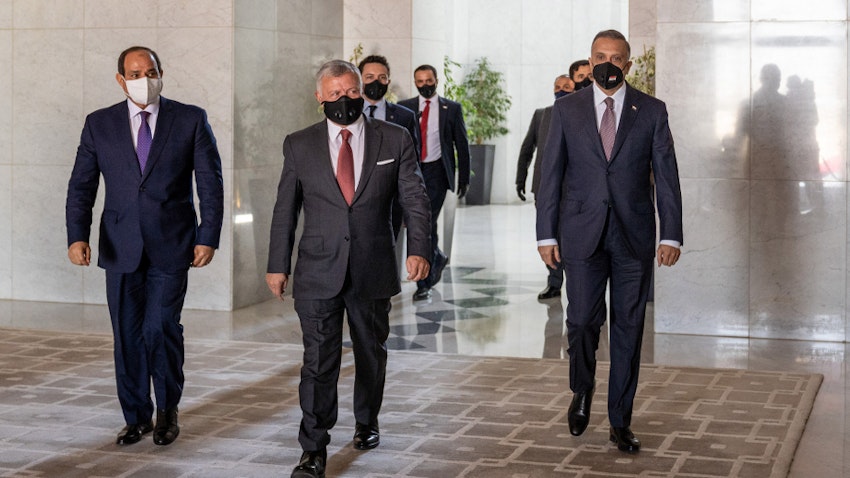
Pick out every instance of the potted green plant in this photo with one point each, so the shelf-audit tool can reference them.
(642, 76)
(485, 105)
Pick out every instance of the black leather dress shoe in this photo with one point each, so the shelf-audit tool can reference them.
(549, 293)
(625, 439)
(422, 293)
(579, 412)
(311, 465)
(133, 433)
(167, 428)
(436, 272)
(366, 437)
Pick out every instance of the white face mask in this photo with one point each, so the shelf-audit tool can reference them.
(144, 91)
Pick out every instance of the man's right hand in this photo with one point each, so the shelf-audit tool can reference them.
(80, 253)
(277, 283)
(520, 191)
(551, 255)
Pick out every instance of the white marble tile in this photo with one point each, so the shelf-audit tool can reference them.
(6, 231)
(256, 14)
(542, 39)
(112, 14)
(706, 292)
(430, 18)
(327, 18)
(708, 141)
(496, 38)
(797, 259)
(294, 16)
(643, 17)
(48, 14)
(47, 107)
(294, 102)
(790, 10)
(39, 260)
(195, 13)
(6, 14)
(384, 19)
(102, 49)
(201, 73)
(255, 124)
(6, 102)
(677, 11)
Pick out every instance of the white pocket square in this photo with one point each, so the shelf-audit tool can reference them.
(386, 161)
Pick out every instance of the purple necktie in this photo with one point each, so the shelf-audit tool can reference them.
(608, 128)
(143, 141)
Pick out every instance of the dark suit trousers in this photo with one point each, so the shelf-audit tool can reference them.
(321, 326)
(145, 308)
(436, 183)
(586, 312)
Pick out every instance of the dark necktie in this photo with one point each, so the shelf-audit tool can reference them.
(345, 168)
(372, 109)
(608, 128)
(143, 141)
(423, 128)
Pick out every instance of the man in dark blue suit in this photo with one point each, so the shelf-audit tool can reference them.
(375, 70)
(443, 144)
(147, 149)
(595, 215)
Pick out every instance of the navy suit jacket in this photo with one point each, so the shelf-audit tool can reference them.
(405, 118)
(152, 212)
(578, 185)
(339, 239)
(452, 138)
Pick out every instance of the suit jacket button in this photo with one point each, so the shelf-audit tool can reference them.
(142, 189)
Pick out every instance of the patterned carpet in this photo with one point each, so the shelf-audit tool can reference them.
(444, 416)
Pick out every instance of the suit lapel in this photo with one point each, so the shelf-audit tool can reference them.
(591, 128)
(372, 138)
(627, 120)
(444, 117)
(390, 112)
(164, 120)
(319, 136)
(124, 140)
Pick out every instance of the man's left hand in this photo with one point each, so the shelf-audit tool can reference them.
(461, 190)
(203, 255)
(667, 255)
(417, 268)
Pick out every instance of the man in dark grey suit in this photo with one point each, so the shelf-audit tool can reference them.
(595, 214)
(443, 133)
(341, 175)
(534, 141)
(375, 70)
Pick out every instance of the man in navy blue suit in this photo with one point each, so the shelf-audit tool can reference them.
(595, 215)
(147, 149)
(375, 70)
(443, 144)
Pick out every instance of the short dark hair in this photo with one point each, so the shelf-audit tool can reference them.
(576, 65)
(374, 59)
(613, 35)
(132, 49)
(426, 67)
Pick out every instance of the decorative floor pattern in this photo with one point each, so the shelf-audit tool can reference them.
(444, 416)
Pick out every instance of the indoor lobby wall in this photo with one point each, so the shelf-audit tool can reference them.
(757, 96)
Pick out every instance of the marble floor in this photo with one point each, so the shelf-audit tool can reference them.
(486, 305)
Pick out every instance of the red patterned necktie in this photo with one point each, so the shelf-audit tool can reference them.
(423, 129)
(345, 168)
(608, 128)
(143, 141)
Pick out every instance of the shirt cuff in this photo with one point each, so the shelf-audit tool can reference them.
(668, 242)
(547, 242)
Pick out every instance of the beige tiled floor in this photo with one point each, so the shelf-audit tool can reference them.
(487, 305)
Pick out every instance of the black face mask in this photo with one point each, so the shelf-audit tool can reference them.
(583, 83)
(375, 90)
(561, 94)
(427, 91)
(344, 110)
(607, 75)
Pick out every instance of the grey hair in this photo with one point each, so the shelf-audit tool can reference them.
(335, 69)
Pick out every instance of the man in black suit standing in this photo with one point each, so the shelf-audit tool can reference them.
(595, 214)
(340, 176)
(375, 70)
(444, 143)
(534, 141)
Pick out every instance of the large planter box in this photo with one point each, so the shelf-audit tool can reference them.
(481, 176)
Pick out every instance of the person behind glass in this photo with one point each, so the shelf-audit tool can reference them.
(444, 144)
(147, 148)
(580, 74)
(595, 215)
(534, 141)
(340, 176)
(375, 71)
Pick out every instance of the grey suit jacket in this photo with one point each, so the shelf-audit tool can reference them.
(535, 139)
(339, 239)
(578, 185)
